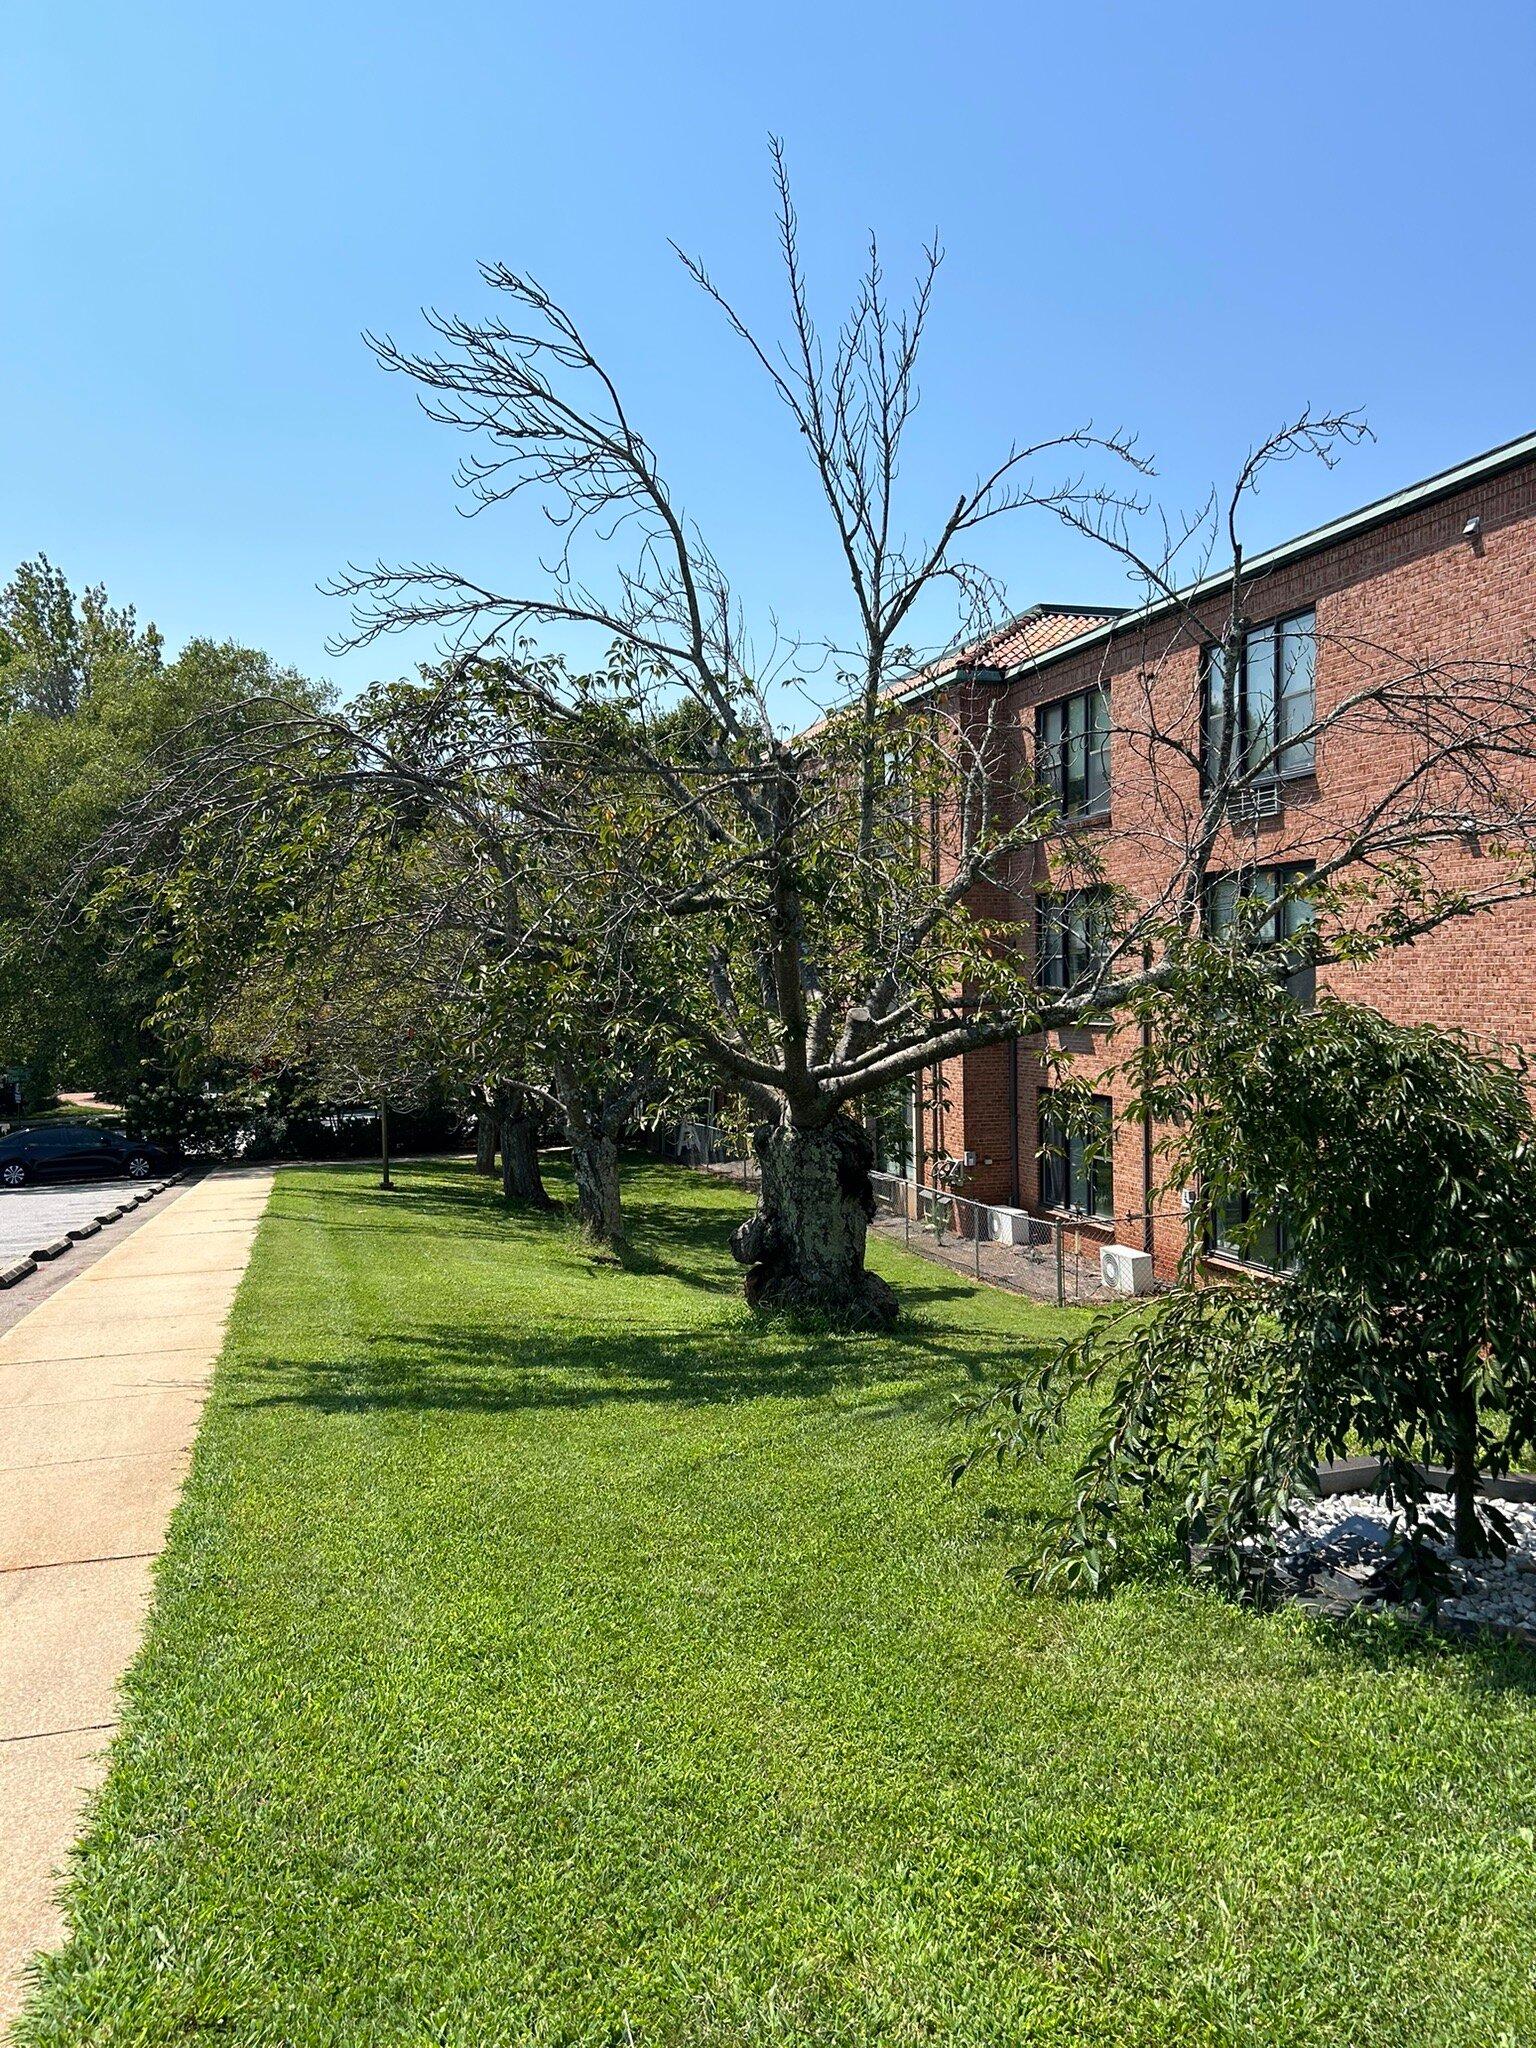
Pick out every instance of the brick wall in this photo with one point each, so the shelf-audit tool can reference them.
(1411, 588)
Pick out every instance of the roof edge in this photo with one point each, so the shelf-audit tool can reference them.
(1445, 483)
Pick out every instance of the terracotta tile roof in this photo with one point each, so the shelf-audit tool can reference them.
(1022, 640)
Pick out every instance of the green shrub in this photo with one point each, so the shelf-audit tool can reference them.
(1395, 1168)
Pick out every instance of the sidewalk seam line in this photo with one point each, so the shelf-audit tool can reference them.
(59, 1564)
(53, 1734)
(102, 1458)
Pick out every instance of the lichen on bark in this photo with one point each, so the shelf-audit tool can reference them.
(804, 1245)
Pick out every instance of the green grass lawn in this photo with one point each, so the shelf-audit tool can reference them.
(548, 1653)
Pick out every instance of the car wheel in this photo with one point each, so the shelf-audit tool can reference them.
(13, 1174)
(139, 1168)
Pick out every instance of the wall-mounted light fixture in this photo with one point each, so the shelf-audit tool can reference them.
(1472, 533)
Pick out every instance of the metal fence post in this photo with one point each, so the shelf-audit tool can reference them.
(976, 1214)
(1061, 1269)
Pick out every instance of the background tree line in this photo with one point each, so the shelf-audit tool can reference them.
(91, 707)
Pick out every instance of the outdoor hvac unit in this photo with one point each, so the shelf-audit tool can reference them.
(1260, 800)
(1013, 1226)
(1124, 1270)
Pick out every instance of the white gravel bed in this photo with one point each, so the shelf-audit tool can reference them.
(1341, 1539)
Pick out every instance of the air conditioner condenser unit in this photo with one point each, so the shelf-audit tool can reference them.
(1125, 1270)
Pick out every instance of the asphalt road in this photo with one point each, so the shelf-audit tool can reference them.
(33, 1216)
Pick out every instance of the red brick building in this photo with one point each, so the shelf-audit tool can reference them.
(1442, 575)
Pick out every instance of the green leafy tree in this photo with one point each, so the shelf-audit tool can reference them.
(288, 852)
(91, 711)
(58, 651)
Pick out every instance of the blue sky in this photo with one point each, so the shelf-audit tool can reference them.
(1186, 220)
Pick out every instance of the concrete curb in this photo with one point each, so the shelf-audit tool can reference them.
(1359, 1475)
(19, 1271)
(82, 1230)
(56, 1250)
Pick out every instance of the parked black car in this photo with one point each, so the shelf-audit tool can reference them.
(77, 1152)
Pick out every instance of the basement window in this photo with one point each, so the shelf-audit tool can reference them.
(1077, 1169)
(1235, 1236)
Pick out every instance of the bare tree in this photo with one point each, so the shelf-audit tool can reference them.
(824, 908)
(824, 956)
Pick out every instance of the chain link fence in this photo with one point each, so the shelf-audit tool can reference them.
(1050, 1258)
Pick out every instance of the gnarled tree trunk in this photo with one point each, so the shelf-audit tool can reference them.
(804, 1246)
(595, 1161)
(521, 1180)
(485, 1141)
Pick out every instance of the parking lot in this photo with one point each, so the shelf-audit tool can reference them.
(30, 1217)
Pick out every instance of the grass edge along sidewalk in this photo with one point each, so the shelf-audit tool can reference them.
(548, 1652)
(101, 1384)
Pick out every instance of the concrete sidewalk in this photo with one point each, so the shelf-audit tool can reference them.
(101, 1387)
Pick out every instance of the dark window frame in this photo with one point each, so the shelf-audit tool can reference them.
(1273, 631)
(1076, 949)
(1285, 874)
(1219, 1246)
(893, 1111)
(1295, 912)
(1066, 1166)
(1053, 756)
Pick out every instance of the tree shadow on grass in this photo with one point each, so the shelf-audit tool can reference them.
(350, 1199)
(446, 1367)
(1388, 1646)
(1385, 1643)
(679, 1226)
(678, 1223)
(665, 1208)
(571, 1356)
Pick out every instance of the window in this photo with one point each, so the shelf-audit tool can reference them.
(1260, 885)
(1287, 921)
(1076, 1164)
(893, 1116)
(1071, 936)
(1272, 701)
(1234, 1237)
(1072, 752)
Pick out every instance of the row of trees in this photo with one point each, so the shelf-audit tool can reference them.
(579, 894)
(91, 709)
(568, 899)
(594, 890)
